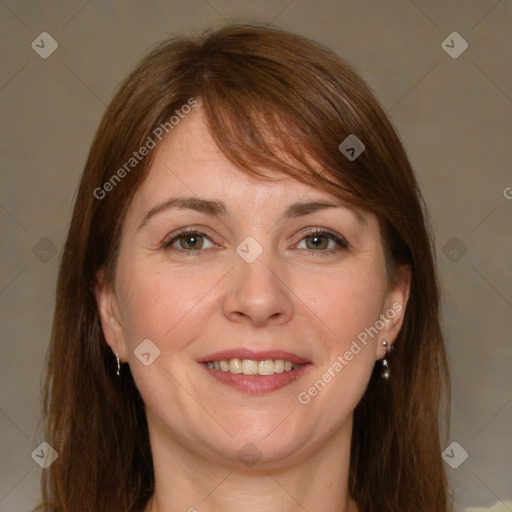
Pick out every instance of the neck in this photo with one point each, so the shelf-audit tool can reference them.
(317, 480)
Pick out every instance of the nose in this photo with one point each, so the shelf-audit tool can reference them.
(258, 293)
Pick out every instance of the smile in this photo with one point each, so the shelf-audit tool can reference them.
(255, 372)
(253, 367)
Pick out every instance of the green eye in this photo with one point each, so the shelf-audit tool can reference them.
(188, 241)
(317, 242)
(193, 241)
(323, 241)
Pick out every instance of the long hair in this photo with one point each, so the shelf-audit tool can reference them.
(275, 100)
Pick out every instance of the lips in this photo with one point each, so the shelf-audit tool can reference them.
(255, 372)
(244, 353)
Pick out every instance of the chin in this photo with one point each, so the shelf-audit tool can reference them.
(268, 443)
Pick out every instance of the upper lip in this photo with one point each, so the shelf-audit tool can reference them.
(245, 353)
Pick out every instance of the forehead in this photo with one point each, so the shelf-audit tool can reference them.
(188, 161)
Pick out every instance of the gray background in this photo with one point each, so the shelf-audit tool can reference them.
(454, 117)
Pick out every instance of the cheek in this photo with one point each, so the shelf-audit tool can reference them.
(160, 305)
(348, 306)
(346, 303)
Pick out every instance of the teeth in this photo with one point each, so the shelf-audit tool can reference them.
(279, 366)
(235, 366)
(252, 367)
(249, 367)
(266, 367)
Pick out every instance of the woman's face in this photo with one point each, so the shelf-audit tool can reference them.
(266, 272)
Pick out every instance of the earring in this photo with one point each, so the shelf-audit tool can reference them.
(385, 372)
(118, 363)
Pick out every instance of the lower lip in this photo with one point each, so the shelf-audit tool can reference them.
(257, 384)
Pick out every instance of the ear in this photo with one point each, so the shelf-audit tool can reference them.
(393, 312)
(109, 315)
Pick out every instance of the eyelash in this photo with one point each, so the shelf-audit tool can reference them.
(339, 240)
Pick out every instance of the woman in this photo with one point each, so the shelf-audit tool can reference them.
(247, 246)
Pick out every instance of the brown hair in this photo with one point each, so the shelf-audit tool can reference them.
(275, 100)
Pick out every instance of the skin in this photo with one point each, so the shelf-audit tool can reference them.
(312, 300)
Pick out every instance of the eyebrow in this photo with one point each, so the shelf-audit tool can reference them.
(218, 208)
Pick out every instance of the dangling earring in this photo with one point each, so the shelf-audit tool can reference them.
(118, 363)
(385, 372)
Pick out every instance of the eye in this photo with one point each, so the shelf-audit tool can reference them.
(188, 240)
(323, 241)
